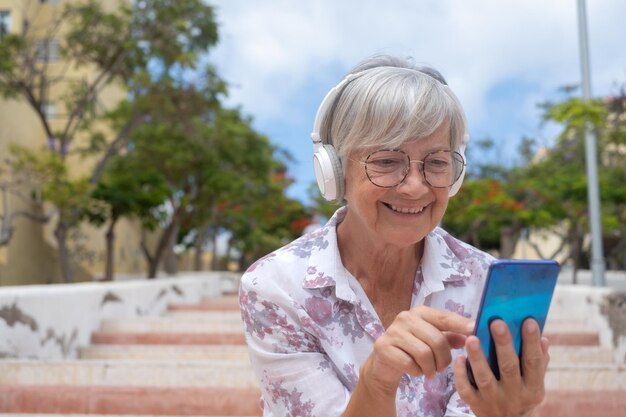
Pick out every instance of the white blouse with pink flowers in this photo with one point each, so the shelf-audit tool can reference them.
(309, 325)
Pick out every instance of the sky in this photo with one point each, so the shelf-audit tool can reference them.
(501, 58)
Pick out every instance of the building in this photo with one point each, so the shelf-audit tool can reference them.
(30, 257)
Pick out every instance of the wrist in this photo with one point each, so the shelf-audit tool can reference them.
(373, 385)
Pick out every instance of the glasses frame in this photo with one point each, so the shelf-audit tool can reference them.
(421, 167)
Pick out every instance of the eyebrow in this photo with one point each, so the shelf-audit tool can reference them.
(425, 152)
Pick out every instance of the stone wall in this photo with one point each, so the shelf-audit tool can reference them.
(53, 321)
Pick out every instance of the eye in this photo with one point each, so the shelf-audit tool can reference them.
(437, 163)
(386, 161)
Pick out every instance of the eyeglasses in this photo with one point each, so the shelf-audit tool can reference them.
(388, 169)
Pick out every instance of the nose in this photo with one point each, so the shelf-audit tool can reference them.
(414, 178)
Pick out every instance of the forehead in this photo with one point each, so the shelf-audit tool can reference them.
(438, 140)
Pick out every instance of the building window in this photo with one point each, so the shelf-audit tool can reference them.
(47, 50)
(5, 22)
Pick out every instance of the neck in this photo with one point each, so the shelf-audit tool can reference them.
(378, 266)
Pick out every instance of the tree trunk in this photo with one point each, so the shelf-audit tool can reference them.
(6, 229)
(509, 235)
(110, 251)
(170, 261)
(576, 240)
(229, 248)
(474, 233)
(214, 263)
(164, 239)
(197, 256)
(60, 233)
(203, 234)
(242, 261)
(153, 267)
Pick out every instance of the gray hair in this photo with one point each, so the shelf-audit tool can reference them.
(389, 102)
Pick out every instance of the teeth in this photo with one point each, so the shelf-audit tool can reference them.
(407, 210)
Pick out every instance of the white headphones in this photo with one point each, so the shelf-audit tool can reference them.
(326, 162)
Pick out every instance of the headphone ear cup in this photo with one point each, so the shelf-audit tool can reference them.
(328, 173)
(457, 185)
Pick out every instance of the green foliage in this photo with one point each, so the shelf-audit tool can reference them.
(319, 204)
(70, 196)
(132, 189)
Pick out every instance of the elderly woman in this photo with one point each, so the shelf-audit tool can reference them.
(371, 314)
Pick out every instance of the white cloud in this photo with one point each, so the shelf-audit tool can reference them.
(274, 51)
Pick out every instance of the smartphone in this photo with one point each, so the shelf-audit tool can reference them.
(514, 291)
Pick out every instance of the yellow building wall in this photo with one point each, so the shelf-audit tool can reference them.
(30, 257)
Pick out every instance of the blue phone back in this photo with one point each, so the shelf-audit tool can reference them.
(515, 290)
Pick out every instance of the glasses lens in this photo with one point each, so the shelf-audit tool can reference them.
(386, 168)
(443, 168)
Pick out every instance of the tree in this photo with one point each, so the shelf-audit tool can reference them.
(124, 47)
(128, 189)
(495, 204)
(319, 204)
(11, 187)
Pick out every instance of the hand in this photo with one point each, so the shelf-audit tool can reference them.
(517, 393)
(418, 342)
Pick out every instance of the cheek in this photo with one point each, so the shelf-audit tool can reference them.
(359, 190)
(442, 200)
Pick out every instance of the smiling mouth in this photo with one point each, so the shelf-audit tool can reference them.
(405, 210)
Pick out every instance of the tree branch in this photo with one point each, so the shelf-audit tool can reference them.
(115, 146)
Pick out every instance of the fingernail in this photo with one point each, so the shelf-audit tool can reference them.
(474, 345)
(531, 327)
(499, 328)
(470, 326)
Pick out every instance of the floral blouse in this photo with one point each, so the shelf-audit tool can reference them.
(309, 324)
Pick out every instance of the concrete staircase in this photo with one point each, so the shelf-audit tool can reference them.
(193, 362)
(190, 362)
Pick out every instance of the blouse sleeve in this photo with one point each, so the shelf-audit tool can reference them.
(294, 373)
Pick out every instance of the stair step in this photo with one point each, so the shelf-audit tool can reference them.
(588, 377)
(200, 314)
(222, 374)
(237, 373)
(165, 352)
(165, 338)
(568, 325)
(593, 403)
(201, 307)
(208, 304)
(212, 322)
(227, 299)
(580, 338)
(130, 400)
(98, 415)
(580, 355)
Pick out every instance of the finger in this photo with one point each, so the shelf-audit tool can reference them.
(484, 378)
(508, 361)
(435, 352)
(446, 320)
(462, 383)
(455, 340)
(427, 344)
(389, 361)
(534, 360)
(423, 356)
